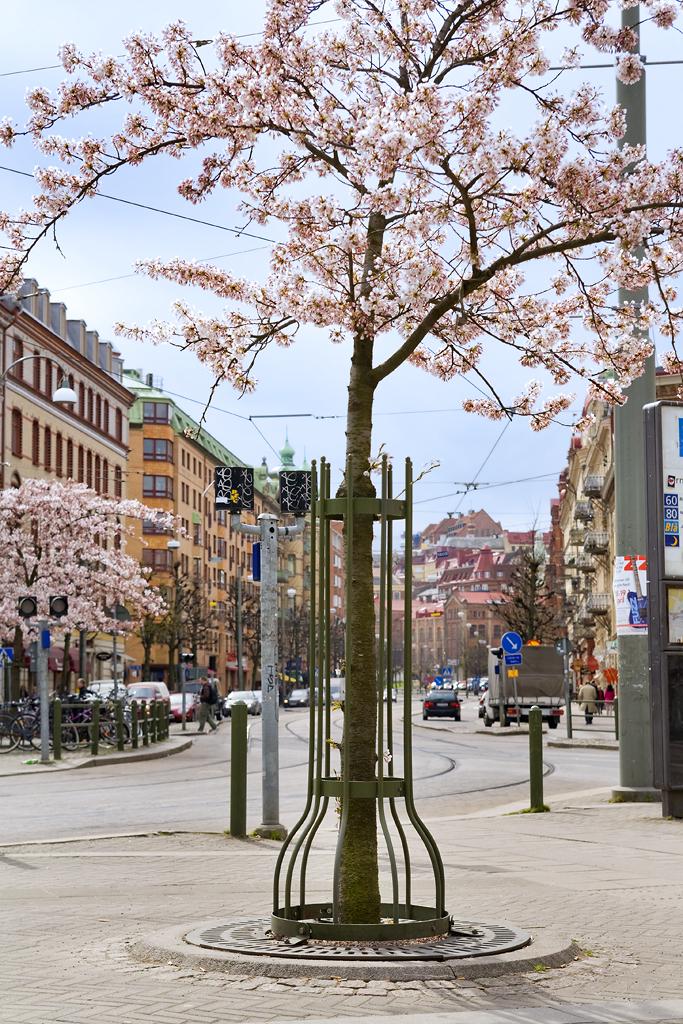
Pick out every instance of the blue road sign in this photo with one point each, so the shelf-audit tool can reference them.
(447, 671)
(256, 561)
(513, 659)
(438, 680)
(511, 643)
(6, 655)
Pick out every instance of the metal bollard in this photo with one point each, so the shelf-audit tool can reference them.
(615, 702)
(118, 715)
(134, 724)
(152, 721)
(95, 729)
(145, 723)
(238, 771)
(536, 760)
(57, 729)
(164, 718)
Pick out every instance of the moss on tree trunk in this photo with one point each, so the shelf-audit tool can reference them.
(359, 895)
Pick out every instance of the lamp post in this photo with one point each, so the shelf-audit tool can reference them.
(63, 395)
(177, 670)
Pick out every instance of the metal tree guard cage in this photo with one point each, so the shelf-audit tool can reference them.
(401, 917)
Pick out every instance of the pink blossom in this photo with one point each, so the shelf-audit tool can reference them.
(629, 68)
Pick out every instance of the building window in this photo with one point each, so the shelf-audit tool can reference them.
(157, 449)
(105, 416)
(17, 353)
(17, 433)
(119, 425)
(70, 459)
(98, 474)
(36, 371)
(156, 412)
(35, 443)
(58, 454)
(48, 377)
(88, 463)
(98, 412)
(196, 533)
(81, 464)
(81, 401)
(118, 482)
(105, 477)
(48, 448)
(154, 527)
(157, 486)
(157, 559)
(90, 404)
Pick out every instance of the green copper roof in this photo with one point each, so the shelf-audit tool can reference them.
(182, 424)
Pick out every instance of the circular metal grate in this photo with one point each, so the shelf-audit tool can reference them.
(251, 937)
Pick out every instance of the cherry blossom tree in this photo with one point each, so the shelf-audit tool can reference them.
(408, 212)
(65, 539)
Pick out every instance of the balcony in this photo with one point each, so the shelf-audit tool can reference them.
(598, 604)
(583, 511)
(585, 616)
(593, 486)
(596, 542)
(584, 563)
(576, 536)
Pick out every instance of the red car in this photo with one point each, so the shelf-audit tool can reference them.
(175, 712)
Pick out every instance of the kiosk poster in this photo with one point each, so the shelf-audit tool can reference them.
(630, 595)
(672, 488)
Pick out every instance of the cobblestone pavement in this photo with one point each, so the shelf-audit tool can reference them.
(609, 876)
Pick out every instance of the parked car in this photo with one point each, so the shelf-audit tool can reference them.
(102, 689)
(248, 697)
(441, 704)
(394, 694)
(176, 707)
(149, 690)
(296, 699)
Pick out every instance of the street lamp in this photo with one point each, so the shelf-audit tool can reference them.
(172, 546)
(64, 395)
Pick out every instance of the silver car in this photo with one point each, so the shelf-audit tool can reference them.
(248, 697)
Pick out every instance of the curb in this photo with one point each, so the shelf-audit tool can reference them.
(585, 744)
(106, 760)
(512, 730)
(169, 947)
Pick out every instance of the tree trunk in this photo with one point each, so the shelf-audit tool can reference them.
(66, 664)
(147, 661)
(359, 895)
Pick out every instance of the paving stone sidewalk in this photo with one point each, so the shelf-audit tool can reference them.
(609, 876)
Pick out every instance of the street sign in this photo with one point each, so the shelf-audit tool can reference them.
(234, 488)
(447, 671)
(511, 642)
(256, 562)
(6, 655)
(563, 646)
(438, 680)
(513, 673)
(103, 655)
(513, 659)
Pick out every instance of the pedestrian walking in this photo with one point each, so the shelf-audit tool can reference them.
(207, 699)
(587, 697)
(601, 698)
(609, 699)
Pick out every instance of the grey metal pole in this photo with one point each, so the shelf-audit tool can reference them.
(270, 826)
(113, 658)
(183, 688)
(41, 667)
(81, 653)
(568, 696)
(238, 619)
(635, 756)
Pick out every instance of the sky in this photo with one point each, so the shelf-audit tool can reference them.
(301, 391)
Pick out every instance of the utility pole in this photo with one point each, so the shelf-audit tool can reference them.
(43, 693)
(238, 630)
(635, 754)
(269, 534)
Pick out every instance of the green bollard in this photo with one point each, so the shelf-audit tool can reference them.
(95, 729)
(615, 702)
(536, 761)
(163, 710)
(153, 719)
(134, 724)
(118, 718)
(144, 711)
(57, 729)
(238, 771)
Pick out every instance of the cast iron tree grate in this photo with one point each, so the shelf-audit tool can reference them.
(252, 937)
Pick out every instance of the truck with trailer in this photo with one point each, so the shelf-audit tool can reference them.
(514, 690)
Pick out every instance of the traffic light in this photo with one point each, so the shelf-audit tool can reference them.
(27, 607)
(59, 607)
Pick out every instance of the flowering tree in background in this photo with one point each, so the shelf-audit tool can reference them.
(64, 539)
(407, 208)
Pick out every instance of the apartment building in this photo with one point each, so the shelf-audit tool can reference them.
(171, 466)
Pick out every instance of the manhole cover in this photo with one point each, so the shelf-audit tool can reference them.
(250, 937)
